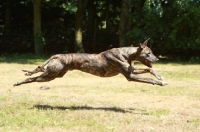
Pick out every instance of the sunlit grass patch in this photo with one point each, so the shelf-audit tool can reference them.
(83, 102)
(159, 112)
(195, 122)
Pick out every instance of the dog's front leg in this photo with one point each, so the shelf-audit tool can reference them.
(144, 70)
(147, 70)
(137, 78)
(133, 77)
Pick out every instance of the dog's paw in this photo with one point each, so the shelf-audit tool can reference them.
(16, 84)
(28, 73)
(159, 77)
(164, 83)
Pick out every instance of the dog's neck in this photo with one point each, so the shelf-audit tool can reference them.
(133, 56)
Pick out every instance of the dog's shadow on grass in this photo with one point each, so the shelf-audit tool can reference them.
(75, 108)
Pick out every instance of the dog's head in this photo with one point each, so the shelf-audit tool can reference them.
(145, 55)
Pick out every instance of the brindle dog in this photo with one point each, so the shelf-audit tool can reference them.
(105, 64)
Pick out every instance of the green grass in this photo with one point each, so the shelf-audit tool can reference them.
(23, 59)
(83, 102)
(159, 112)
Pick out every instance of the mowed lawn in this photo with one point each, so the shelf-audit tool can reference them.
(80, 102)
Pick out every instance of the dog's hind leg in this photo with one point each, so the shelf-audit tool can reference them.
(36, 70)
(48, 75)
(40, 68)
(54, 69)
(41, 78)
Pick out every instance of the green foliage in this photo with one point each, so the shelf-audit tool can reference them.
(155, 6)
(194, 60)
(184, 29)
(147, 25)
(172, 25)
(70, 6)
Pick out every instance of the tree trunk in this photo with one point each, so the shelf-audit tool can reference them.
(8, 17)
(125, 23)
(38, 42)
(81, 5)
(107, 14)
(89, 46)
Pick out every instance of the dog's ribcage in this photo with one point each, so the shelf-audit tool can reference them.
(95, 64)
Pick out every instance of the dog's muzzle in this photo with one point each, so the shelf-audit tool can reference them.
(148, 62)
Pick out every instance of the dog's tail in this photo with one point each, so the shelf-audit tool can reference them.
(40, 68)
(47, 61)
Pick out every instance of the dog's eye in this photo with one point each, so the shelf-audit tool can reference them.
(148, 54)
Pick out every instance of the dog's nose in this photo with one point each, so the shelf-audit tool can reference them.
(155, 59)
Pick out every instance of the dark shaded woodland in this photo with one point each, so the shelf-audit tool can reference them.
(92, 26)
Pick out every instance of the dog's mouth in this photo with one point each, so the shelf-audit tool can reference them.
(148, 63)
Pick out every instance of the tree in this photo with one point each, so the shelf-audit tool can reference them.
(8, 16)
(107, 14)
(38, 41)
(90, 26)
(171, 25)
(78, 25)
(125, 23)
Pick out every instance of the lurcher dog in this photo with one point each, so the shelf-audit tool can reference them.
(105, 64)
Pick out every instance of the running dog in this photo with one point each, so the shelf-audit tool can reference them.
(105, 64)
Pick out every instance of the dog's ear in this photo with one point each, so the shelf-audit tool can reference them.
(143, 45)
